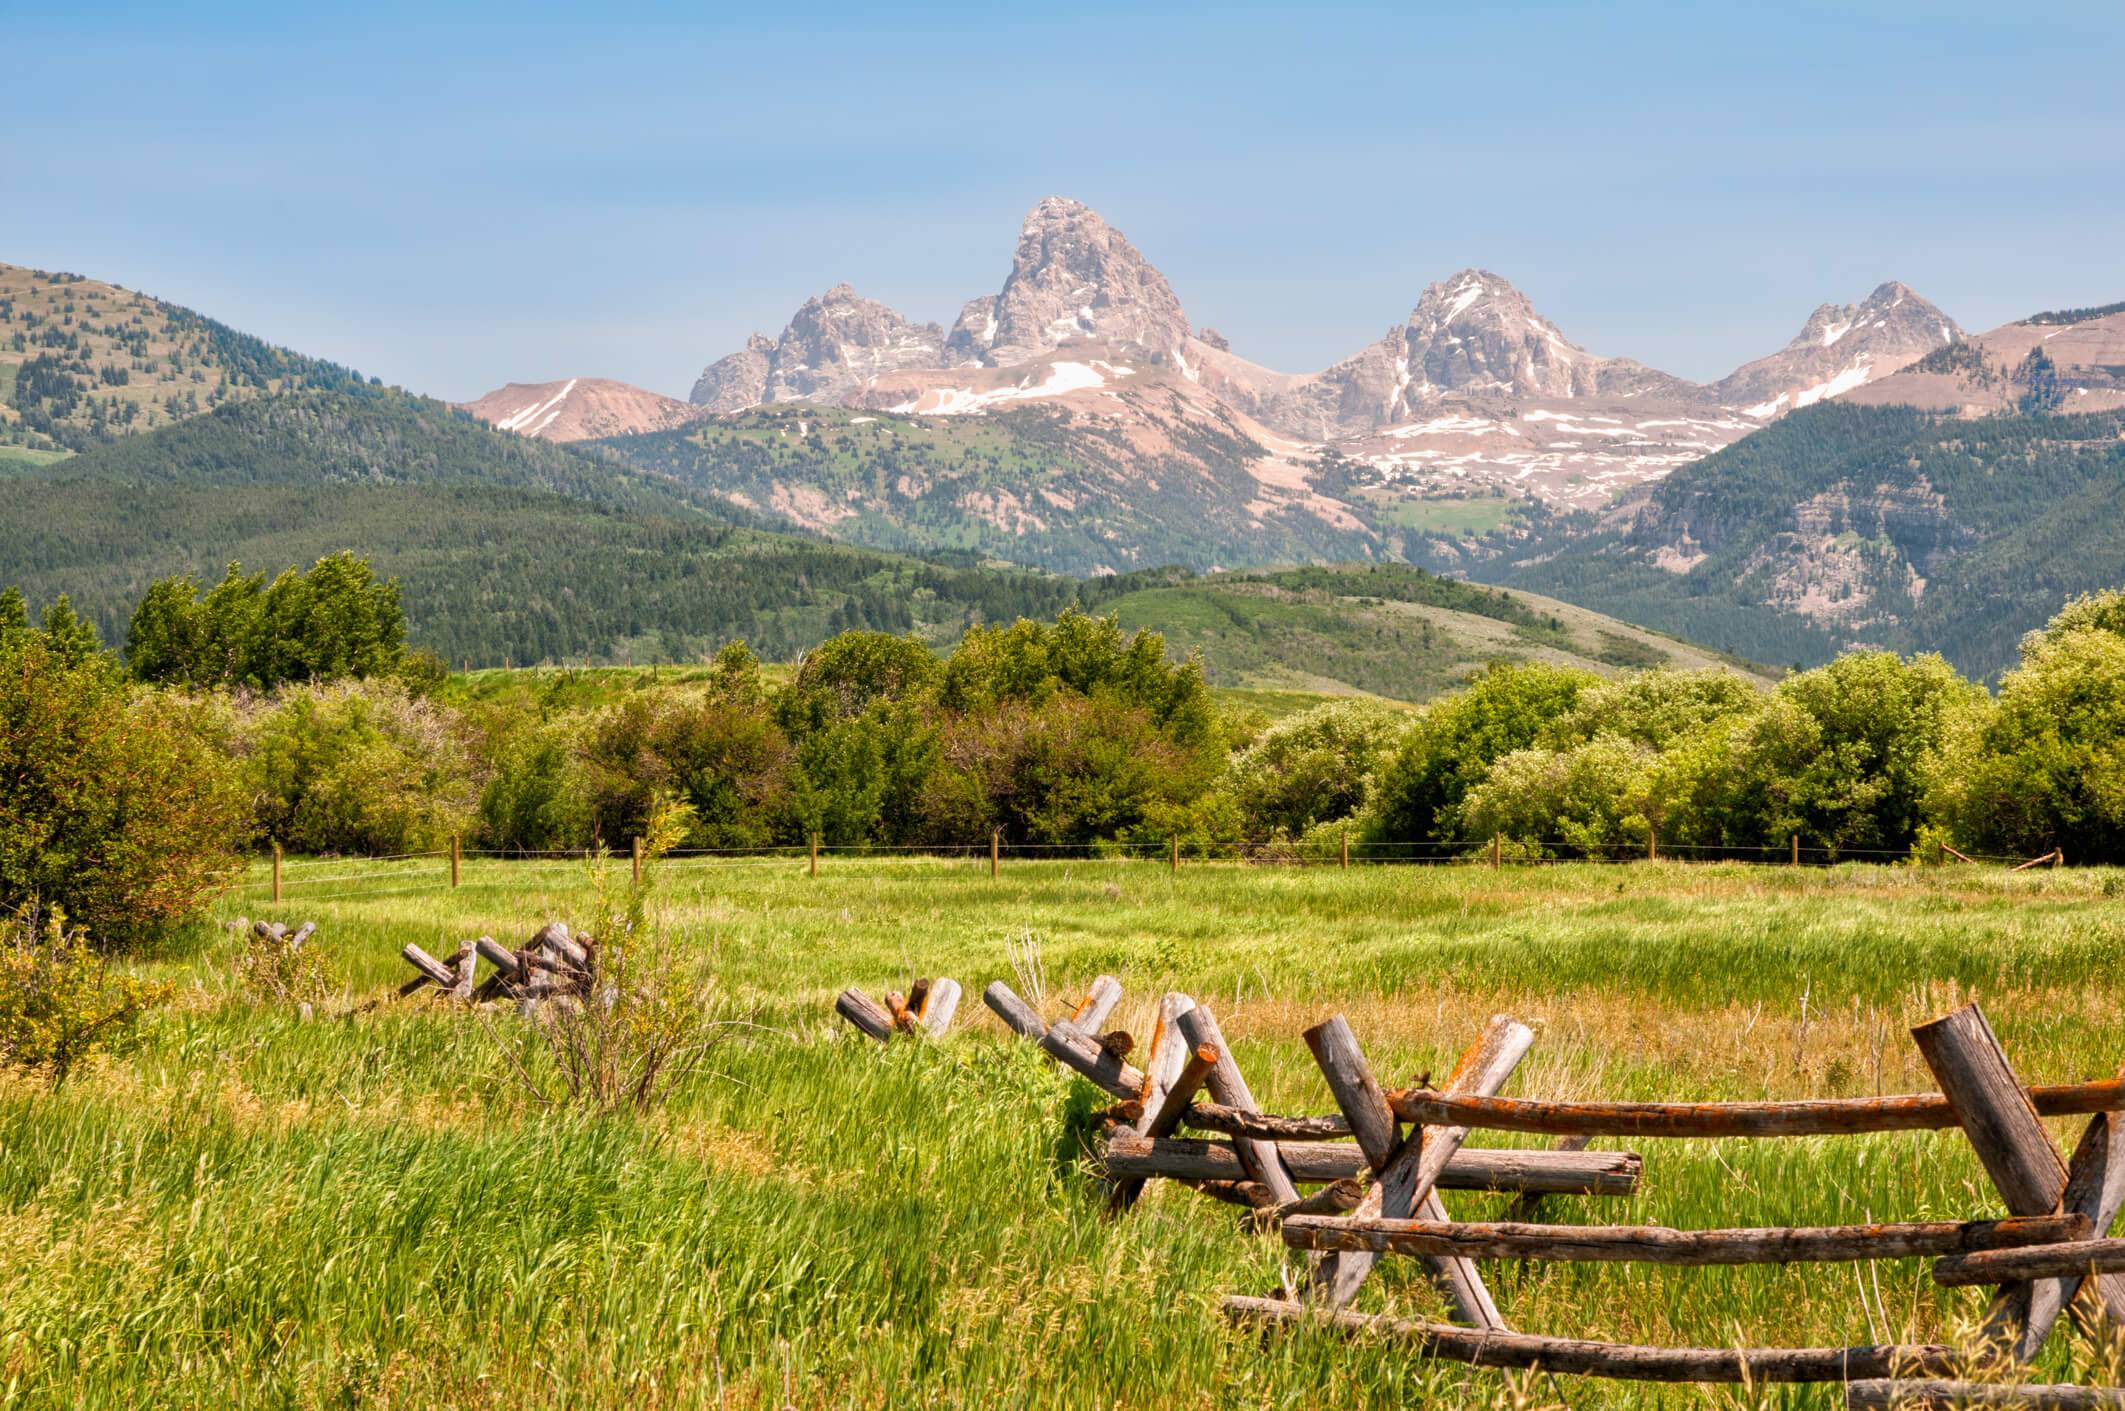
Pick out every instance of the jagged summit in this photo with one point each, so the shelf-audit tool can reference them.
(1073, 276)
(832, 345)
(1840, 347)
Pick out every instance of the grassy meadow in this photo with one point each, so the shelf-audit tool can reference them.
(367, 1208)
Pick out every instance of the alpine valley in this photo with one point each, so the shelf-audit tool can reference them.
(1883, 479)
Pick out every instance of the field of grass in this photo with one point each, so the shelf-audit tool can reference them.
(1468, 518)
(366, 1208)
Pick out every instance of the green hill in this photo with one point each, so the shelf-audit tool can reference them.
(1386, 630)
(83, 362)
(1850, 525)
(508, 549)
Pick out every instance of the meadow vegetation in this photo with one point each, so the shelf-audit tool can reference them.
(372, 1207)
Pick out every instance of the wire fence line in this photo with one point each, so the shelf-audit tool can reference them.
(406, 873)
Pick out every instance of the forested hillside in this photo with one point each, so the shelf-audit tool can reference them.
(1851, 525)
(507, 549)
(82, 362)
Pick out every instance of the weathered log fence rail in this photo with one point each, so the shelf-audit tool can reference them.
(1379, 1162)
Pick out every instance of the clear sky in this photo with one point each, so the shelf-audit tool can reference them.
(452, 197)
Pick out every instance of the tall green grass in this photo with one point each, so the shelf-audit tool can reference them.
(363, 1209)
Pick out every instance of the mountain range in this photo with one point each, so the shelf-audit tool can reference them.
(1883, 479)
(1475, 392)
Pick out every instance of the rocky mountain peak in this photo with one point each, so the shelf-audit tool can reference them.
(1072, 276)
(833, 344)
(1840, 347)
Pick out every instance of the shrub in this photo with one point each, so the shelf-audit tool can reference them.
(361, 767)
(61, 998)
(535, 795)
(714, 751)
(1073, 772)
(117, 806)
(2046, 767)
(273, 967)
(1457, 739)
(1313, 768)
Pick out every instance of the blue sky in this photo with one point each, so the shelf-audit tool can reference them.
(452, 197)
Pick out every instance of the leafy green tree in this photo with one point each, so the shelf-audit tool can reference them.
(714, 751)
(1313, 768)
(337, 620)
(1842, 755)
(2046, 767)
(1456, 741)
(14, 613)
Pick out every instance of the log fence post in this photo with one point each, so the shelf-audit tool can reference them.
(1405, 1171)
(276, 872)
(995, 851)
(1176, 854)
(815, 855)
(1497, 851)
(454, 859)
(1796, 849)
(1996, 1114)
(1199, 1027)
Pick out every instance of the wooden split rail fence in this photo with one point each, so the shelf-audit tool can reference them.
(1379, 1162)
(553, 965)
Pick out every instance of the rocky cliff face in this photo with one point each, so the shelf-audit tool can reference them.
(1842, 347)
(833, 344)
(1073, 276)
(1473, 337)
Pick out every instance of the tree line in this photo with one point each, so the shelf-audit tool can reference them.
(290, 712)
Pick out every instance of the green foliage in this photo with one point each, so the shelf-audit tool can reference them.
(650, 1021)
(534, 798)
(1313, 768)
(1031, 662)
(334, 621)
(61, 999)
(360, 767)
(1585, 801)
(117, 805)
(1069, 770)
(272, 967)
(1454, 744)
(1842, 755)
(713, 750)
(2045, 768)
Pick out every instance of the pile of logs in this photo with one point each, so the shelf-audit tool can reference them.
(926, 1009)
(280, 935)
(552, 965)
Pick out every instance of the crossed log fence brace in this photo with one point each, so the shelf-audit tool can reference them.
(552, 965)
(1379, 1195)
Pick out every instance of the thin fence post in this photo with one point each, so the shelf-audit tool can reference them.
(638, 861)
(1652, 846)
(454, 855)
(1176, 853)
(995, 850)
(1497, 851)
(815, 854)
(1796, 849)
(276, 872)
